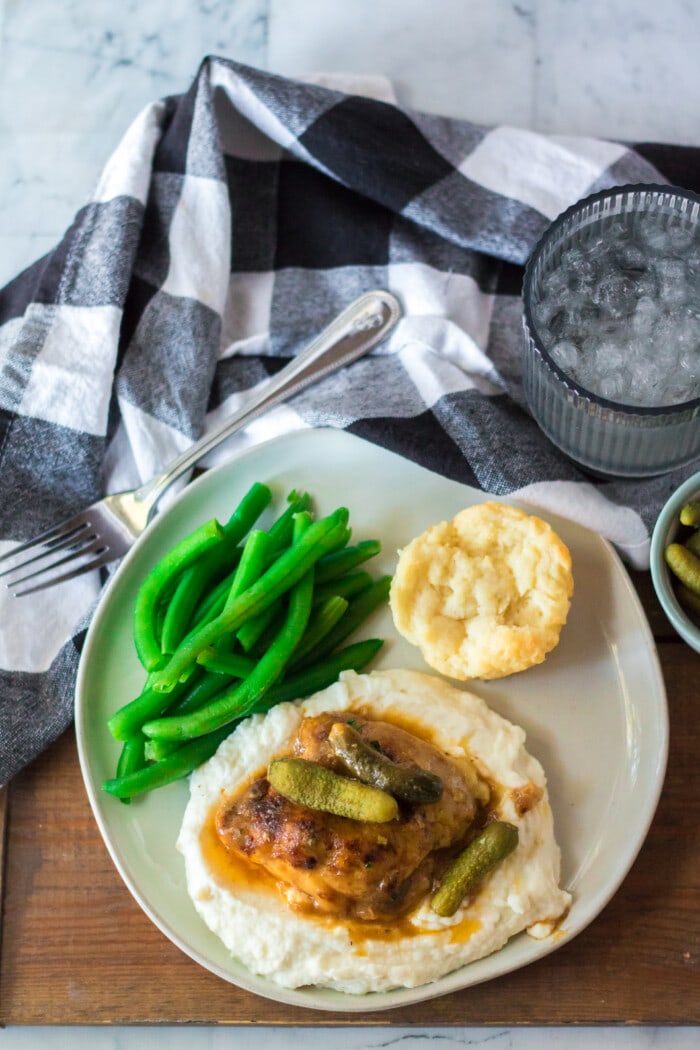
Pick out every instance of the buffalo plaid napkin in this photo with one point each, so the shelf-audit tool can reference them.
(229, 226)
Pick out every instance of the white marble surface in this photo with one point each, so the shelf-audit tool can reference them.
(74, 74)
(349, 1039)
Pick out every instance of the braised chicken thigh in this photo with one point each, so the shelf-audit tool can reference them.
(347, 867)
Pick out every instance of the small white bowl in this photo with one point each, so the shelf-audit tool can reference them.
(665, 532)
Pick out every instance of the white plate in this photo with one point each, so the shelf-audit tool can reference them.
(595, 711)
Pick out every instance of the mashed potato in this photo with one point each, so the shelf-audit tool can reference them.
(484, 595)
(256, 921)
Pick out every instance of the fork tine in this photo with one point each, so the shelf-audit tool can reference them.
(47, 536)
(104, 558)
(62, 542)
(93, 545)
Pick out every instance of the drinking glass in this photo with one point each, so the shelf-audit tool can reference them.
(605, 436)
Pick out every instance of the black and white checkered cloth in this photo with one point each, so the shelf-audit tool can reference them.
(229, 226)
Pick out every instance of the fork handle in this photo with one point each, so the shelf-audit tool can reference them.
(356, 330)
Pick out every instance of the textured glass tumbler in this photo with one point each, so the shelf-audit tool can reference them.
(606, 437)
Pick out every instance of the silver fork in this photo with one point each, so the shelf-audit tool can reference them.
(107, 529)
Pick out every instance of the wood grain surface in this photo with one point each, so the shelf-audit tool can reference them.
(76, 949)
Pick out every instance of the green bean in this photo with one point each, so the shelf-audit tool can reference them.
(353, 658)
(293, 687)
(302, 521)
(251, 506)
(192, 591)
(159, 580)
(320, 788)
(372, 767)
(330, 566)
(291, 566)
(254, 560)
(132, 757)
(149, 704)
(263, 643)
(281, 535)
(251, 631)
(321, 674)
(348, 586)
(150, 679)
(198, 578)
(358, 611)
(231, 664)
(153, 753)
(240, 699)
(690, 513)
(206, 689)
(684, 564)
(489, 848)
(264, 628)
(269, 621)
(178, 614)
(156, 750)
(212, 604)
(209, 685)
(176, 765)
(282, 529)
(321, 621)
(186, 696)
(159, 619)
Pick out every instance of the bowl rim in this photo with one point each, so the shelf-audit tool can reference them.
(531, 328)
(660, 575)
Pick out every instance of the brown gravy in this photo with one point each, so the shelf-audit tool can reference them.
(236, 872)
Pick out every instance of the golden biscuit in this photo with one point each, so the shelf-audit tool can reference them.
(483, 595)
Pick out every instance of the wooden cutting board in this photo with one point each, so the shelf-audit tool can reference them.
(76, 949)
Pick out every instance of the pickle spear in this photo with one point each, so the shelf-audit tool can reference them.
(482, 855)
(319, 788)
(690, 513)
(684, 564)
(372, 767)
(693, 542)
(690, 600)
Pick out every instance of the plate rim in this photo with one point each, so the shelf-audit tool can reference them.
(331, 1000)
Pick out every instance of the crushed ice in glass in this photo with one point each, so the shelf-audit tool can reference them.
(620, 313)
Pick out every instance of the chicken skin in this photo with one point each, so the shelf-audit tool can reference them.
(346, 867)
